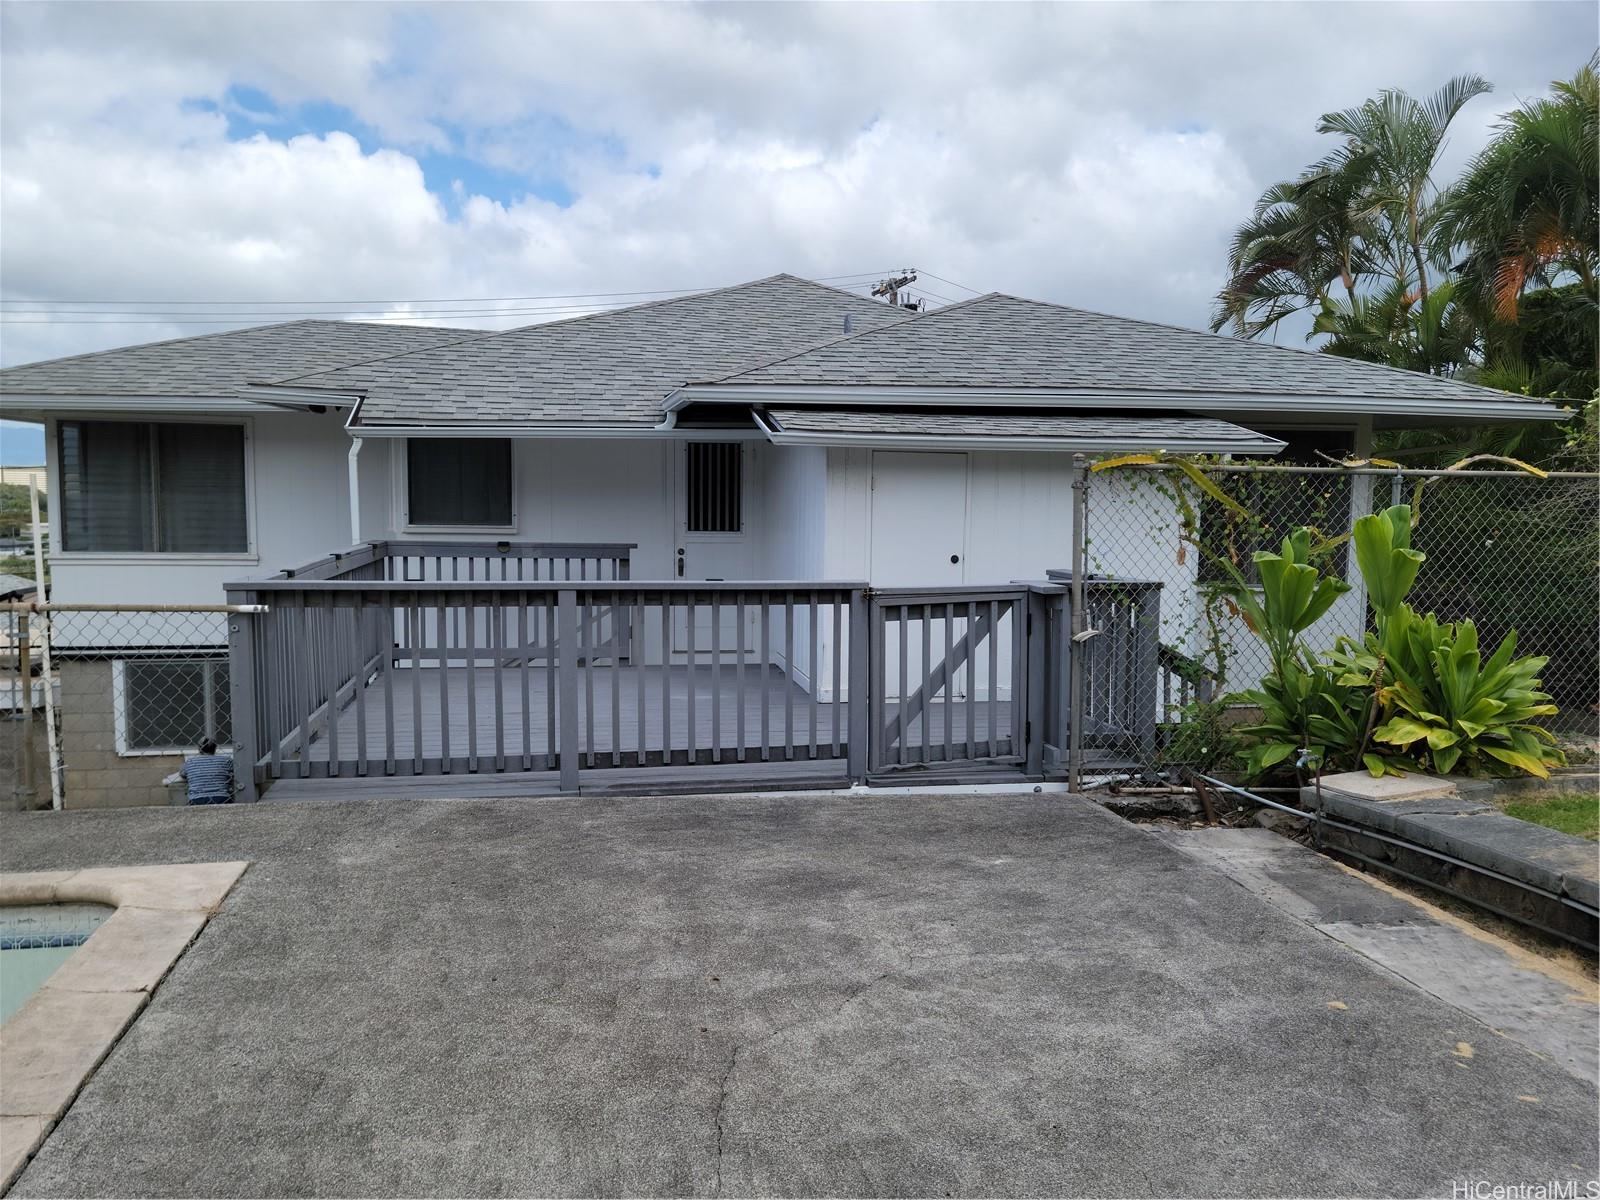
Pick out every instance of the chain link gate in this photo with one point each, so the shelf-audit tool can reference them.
(1509, 549)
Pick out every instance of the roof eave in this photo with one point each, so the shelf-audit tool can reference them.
(1260, 444)
(837, 396)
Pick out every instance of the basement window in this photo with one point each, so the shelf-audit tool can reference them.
(715, 487)
(167, 705)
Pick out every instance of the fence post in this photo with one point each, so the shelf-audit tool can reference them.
(1033, 719)
(860, 684)
(1079, 614)
(1146, 668)
(242, 695)
(566, 655)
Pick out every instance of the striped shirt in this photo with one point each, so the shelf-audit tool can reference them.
(210, 777)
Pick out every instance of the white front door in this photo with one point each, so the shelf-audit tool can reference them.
(712, 501)
(919, 519)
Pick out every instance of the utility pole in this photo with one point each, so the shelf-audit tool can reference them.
(891, 287)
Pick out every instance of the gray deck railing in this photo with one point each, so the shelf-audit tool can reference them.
(467, 562)
(351, 668)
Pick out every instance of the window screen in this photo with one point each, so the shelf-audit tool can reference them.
(143, 486)
(715, 487)
(170, 704)
(458, 481)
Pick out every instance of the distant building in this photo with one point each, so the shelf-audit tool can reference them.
(23, 474)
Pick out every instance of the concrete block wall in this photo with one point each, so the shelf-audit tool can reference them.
(95, 775)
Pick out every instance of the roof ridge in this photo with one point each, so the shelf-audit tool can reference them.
(847, 337)
(1238, 341)
(215, 333)
(190, 337)
(596, 316)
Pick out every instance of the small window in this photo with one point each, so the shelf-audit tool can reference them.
(459, 481)
(166, 706)
(715, 487)
(149, 487)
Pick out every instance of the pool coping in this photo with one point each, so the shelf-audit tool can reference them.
(58, 1038)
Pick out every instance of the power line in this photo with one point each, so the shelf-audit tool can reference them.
(598, 296)
(582, 304)
(951, 282)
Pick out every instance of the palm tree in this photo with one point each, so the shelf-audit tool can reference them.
(1392, 144)
(1398, 326)
(1302, 236)
(1527, 212)
(1364, 214)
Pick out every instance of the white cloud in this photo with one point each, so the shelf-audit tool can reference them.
(1094, 154)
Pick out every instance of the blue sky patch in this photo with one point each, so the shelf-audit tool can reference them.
(21, 444)
(546, 142)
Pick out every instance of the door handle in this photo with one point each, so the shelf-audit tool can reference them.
(955, 558)
(680, 564)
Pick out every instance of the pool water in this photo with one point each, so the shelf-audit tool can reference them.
(35, 939)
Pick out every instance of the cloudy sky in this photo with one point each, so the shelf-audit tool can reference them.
(371, 158)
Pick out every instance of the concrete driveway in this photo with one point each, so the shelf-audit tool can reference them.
(885, 996)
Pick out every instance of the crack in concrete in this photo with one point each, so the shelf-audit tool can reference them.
(740, 1047)
(722, 1104)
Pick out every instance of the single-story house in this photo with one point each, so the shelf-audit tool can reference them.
(779, 430)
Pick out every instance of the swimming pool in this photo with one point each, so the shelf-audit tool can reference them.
(35, 939)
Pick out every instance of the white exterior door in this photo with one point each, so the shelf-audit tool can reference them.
(712, 510)
(919, 539)
(919, 519)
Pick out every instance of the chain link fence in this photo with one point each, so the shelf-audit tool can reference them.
(132, 692)
(1508, 549)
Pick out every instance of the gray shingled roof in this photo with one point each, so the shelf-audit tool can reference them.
(612, 369)
(1135, 433)
(217, 364)
(1004, 342)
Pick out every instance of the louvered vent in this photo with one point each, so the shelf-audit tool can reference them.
(715, 487)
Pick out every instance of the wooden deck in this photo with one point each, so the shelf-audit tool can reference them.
(452, 715)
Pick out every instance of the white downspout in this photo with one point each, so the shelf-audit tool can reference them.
(355, 493)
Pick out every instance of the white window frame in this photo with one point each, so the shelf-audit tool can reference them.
(119, 706)
(400, 470)
(251, 553)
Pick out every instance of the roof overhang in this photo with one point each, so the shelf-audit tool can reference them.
(286, 396)
(1443, 411)
(22, 406)
(1220, 437)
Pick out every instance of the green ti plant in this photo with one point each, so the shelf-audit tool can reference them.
(1429, 700)
(1307, 714)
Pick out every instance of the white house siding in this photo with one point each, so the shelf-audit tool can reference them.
(792, 482)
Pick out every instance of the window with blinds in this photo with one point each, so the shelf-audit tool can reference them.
(715, 487)
(152, 487)
(459, 481)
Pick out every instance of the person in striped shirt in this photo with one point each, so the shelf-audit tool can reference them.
(210, 775)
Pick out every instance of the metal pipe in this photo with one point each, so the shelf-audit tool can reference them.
(35, 606)
(50, 740)
(1377, 472)
(1568, 901)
